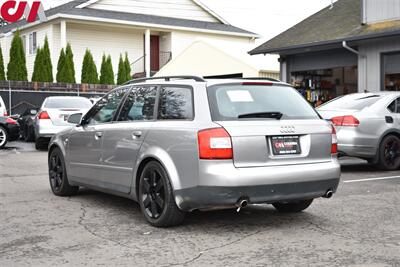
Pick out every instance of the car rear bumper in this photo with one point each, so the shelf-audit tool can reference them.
(46, 129)
(221, 187)
(354, 144)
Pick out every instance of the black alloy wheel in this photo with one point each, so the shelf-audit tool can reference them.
(156, 197)
(153, 193)
(390, 153)
(58, 176)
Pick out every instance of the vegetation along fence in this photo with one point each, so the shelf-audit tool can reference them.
(18, 96)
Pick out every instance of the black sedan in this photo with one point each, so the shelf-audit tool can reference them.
(9, 130)
(27, 124)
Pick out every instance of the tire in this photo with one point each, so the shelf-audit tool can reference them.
(389, 153)
(156, 198)
(3, 137)
(58, 177)
(41, 144)
(293, 207)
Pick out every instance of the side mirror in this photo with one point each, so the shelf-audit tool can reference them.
(33, 112)
(75, 118)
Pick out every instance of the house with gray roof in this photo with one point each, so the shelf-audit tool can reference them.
(349, 46)
(152, 32)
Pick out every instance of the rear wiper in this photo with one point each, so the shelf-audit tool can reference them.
(272, 115)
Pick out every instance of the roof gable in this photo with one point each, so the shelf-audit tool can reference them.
(182, 9)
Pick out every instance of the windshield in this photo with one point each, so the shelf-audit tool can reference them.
(355, 102)
(68, 102)
(244, 102)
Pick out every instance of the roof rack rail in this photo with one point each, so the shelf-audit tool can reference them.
(167, 79)
(262, 78)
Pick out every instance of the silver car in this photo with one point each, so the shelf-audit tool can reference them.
(178, 145)
(368, 126)
(53, 116)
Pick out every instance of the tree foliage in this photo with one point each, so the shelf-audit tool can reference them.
(60, 66)
(16, 69)
(106, 71)
(47, 64)
(89, 69)
(38, 73)
(65, 66)
(2, 72)
(121, 71)
(128, 69)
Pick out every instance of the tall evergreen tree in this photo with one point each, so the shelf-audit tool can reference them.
(121, 71)
(128, 69)
(106, 72)
(89, 69)
(38, 67)
(2, 72)
(60, 67)
(110, 71)
(69, 65)
(46, 61)
(16, 69)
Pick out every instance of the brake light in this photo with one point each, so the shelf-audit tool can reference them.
(43, 115)
(334, 147)
(5, 113)
(11, 121)
(215, 144)
(348, 120)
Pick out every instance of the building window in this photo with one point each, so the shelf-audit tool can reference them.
(391, 71)
(32, 43)
(24, 43)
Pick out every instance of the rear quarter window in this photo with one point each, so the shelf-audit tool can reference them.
(229, 101)
(176, 103)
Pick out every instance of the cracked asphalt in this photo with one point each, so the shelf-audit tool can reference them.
(359, 226)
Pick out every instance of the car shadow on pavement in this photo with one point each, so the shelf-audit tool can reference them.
(360, 168)
(253, 216)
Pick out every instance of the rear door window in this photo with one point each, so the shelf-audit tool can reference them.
(232, 101)
(176, 103)
(139, 105)
(394, 107)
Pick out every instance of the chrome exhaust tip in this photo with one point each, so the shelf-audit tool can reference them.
(242, 203)
(328, 194)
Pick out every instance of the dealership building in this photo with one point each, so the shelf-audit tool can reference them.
(350, 46)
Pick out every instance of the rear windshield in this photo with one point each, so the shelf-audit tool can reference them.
(76, 102)
(355, 102)
(229, 102)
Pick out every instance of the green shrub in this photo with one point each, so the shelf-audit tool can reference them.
(16, 69)
(89, 69)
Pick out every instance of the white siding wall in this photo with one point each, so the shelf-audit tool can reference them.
(181, 40)
(184, 9)
(100, 39)
(376, 11)
(370, 67)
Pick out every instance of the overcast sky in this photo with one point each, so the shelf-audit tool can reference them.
(265, 17)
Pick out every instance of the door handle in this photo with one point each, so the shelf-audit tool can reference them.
(136, 134)
(98, 135)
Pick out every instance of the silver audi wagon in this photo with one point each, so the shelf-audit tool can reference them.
(182, 143)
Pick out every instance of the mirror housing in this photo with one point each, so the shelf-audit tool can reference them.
(75, 119)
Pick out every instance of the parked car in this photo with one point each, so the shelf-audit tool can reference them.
(188, 144)
(53, 116)
(9, 130)
(368, 126)
(3, 109)
(26, 122)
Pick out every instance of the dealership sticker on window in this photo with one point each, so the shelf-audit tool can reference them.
(240, 96)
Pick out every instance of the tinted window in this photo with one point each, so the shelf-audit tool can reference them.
(106, 108)
(356, 102)
(68, 102)
(176, 103)
(228, 102)
(395, 106)
(139, 104)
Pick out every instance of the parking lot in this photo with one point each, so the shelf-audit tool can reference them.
(358, 227)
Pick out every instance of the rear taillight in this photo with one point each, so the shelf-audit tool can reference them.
(44, 115)
(5, 113)
(348, 120)
(11, 121)
(334, 147)
(215, 144)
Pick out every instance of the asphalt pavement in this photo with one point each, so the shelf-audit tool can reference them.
(359, 226)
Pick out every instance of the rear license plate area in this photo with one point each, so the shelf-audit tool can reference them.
(285, 145)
